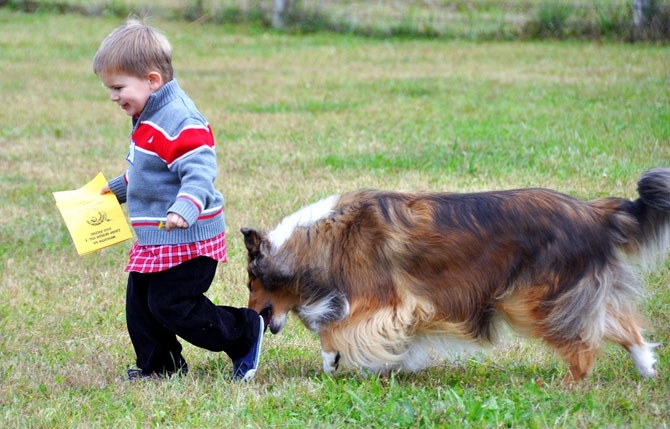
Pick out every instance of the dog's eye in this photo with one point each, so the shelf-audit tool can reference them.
(253, 268)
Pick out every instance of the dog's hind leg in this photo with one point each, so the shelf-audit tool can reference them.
(579, 356)
(644, 358)
(623, 328)
(521, 312)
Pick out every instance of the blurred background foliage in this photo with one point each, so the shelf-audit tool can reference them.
(620, 20)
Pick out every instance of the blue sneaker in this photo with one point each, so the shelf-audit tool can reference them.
(138, 374)
(245, 368)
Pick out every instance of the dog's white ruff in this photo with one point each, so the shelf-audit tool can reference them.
(303, 217)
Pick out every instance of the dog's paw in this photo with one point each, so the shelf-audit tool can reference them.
(331, 360)
(645, 359)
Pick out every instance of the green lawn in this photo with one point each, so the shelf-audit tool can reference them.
(298, 118)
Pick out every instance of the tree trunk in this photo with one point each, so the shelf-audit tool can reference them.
(643, 12)
(279, 11)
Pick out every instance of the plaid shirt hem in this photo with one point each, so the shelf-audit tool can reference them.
(155, 258)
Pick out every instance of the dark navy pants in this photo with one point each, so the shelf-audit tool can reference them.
(161, 306)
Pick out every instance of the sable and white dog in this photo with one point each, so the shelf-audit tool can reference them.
(387, 279)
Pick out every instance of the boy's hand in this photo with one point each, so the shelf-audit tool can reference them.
(175, 221)
(105, 190)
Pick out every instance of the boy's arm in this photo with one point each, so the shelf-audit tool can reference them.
(197, 172)
(118, 186)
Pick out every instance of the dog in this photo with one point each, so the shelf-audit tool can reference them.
(390, 280)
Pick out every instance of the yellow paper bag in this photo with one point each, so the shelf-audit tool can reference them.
(95, 221)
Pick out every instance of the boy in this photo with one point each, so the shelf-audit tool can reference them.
(176, 213)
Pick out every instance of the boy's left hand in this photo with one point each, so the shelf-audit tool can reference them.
(175, 221)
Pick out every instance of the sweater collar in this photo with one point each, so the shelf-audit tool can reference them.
(158, 100)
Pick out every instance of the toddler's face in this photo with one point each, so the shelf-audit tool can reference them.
(129, 92)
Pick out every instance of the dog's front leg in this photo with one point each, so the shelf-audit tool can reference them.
(331, 357)
(330, 361)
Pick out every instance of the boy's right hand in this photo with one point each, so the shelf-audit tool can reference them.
(175, 221)
(105, 190)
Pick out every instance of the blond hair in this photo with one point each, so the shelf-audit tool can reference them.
(134, 48)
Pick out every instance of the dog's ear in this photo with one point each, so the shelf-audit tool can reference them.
(271, 274)
(252, 239)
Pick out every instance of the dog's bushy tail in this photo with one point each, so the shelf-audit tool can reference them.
(654, 189)
(653, 214)
(642, 227)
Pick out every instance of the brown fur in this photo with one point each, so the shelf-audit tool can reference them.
(387, 278)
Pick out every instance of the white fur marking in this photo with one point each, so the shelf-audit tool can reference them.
(428, 350)
(312, 314)
(329, 361)
(644, 358)
(303, 217)
(277, 323)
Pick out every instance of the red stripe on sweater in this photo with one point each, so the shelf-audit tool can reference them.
(152, 139)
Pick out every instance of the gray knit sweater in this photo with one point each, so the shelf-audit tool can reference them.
(172, 168)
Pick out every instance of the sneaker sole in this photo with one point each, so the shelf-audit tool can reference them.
(249, 375)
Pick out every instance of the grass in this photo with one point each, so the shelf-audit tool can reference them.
(298, 118)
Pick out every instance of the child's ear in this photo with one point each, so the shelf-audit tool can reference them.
(155, 80)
